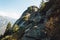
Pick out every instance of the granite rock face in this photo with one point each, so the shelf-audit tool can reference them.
(38, 23)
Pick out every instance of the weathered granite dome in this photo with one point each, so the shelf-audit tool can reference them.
(32, 22)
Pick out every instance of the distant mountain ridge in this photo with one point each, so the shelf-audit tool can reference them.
(4, 21)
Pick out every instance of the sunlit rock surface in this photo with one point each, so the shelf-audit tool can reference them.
(37, 23)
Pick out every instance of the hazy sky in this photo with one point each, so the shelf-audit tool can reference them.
(14, 8)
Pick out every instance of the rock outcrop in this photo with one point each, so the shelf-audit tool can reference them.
(38, 23)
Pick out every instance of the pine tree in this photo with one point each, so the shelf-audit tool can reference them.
(8, 30)
(8, 26)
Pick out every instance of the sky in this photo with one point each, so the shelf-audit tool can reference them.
(15, 8)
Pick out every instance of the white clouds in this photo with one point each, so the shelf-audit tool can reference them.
(10, 14)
